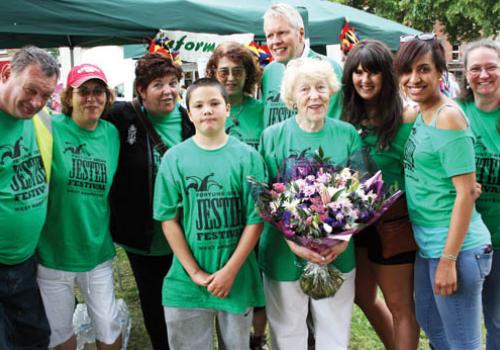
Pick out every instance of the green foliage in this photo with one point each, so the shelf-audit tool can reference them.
(462, 19)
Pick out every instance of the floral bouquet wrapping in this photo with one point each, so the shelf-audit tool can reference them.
(317, 205)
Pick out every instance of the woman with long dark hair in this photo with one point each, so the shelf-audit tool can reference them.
(373, 105)
(454, 244)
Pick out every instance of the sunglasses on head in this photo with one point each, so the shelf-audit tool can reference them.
(421, 37)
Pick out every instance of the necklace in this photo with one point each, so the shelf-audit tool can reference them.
(234, 117)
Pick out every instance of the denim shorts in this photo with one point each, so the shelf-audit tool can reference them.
(369, 238)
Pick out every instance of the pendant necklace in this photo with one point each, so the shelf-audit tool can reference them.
(234, 117)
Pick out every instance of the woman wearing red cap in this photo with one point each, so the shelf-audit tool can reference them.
(75, 244)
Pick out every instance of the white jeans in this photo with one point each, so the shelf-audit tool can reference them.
(287, 307)
(96, 286)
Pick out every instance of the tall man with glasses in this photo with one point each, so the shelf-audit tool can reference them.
(284, 30)
(25, 86)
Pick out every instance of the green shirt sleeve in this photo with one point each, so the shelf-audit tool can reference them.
(167, 196)
(457, 156)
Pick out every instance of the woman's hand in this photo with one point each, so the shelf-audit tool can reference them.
(332, 253)
(445, 277)
(323, 258)
(221, 282)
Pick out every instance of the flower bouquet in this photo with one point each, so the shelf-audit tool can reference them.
(318, 205)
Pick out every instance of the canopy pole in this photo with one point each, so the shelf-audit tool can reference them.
(71, 56)
(71, 52)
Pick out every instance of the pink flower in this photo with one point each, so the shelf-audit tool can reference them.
(279, 187)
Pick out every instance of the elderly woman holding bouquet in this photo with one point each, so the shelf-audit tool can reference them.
(307, 87)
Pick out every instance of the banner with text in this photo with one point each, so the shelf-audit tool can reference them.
(194, 47)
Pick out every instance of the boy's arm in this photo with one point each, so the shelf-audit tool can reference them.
(222, 280)
(177, 241)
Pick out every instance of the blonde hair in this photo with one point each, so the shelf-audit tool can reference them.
(311, 69)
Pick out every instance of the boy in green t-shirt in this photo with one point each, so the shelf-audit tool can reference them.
(209, 218)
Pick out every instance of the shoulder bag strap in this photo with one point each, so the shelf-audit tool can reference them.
(43, 129)
(158, 143)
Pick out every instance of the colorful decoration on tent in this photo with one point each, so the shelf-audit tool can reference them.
(348, 38)
(261, 52)
(162, 44)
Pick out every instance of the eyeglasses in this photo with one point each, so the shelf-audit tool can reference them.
(84, 92)
(237, 72)
(422, 37)
(476, 70)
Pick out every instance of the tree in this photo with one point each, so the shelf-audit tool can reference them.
(463, 20)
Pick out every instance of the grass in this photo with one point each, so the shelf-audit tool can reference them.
(362, 335)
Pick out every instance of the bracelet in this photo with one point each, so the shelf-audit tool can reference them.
(449, 257)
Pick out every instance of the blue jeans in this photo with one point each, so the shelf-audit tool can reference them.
(491, 304)
(23, 324)
(453, 321)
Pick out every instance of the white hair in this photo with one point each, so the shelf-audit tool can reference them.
(310, 69)
(287, 12)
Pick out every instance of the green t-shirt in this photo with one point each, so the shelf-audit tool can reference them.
(432, 157)
(169, 127)
(339, 140)
(211, 188)
(275, 110)
(76, 234)
(484, 126)
(23, 190)
(249, 123)
(390, 160)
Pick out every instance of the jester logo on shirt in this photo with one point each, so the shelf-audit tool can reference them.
(76, 150)
(28, 180)
(12, 151)
(204, 184)
(274, 96)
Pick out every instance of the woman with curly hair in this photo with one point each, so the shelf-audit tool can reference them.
(155, 115)
(233, 65)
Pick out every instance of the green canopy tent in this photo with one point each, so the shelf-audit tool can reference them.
(369, 26)
(52, 23)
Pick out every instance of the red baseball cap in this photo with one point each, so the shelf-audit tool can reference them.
(84, 72)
